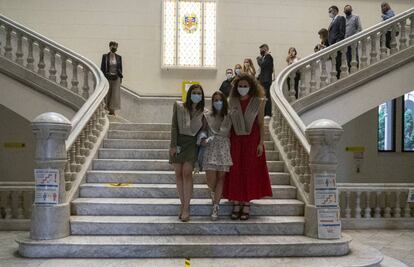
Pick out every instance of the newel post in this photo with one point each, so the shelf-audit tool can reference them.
(322, 213)
(50, 213)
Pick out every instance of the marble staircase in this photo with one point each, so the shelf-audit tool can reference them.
(128, 207)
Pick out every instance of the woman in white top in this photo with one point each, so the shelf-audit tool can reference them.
(290, 59)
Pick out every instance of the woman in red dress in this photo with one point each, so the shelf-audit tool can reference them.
(248, 178)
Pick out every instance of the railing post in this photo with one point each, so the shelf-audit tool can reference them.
(323, 135)
(50, 213)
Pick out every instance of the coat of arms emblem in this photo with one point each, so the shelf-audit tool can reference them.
(190, 23)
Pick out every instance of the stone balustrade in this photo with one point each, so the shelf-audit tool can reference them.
(375, 201)
(46, 58)
(367, 48)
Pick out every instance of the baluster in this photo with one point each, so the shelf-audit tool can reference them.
(377, 213)
(373, 53)
(68, 173)
(363, 58)
(41, 65)
(95, 131)
(411, 31)
(387, 210)
(303, 91)
(333, 69)
(8, 48)
(354, 62)
(73, 165)
(7, 206)
(75, 81)
(403, 37)
(289, 146)
(90, 134)
(348, 200)
(52, 70)
(63, 75)
(297, 155)
(358, 205)
(367, 210)
(292, 91)
(312, 82)
(17, 200)
(79, 157)
(85, 88)
(307, 178)
(101, 122)
(397, 208)
(383, 47)
(30, 58)
(344, 64)
(324, 73)
(407, 208)
(19, 51)
(302, 165)
(393, 43)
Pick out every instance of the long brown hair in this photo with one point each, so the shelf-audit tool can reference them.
(225, 108)
(244, 69)
(189, 103)
(255, 88)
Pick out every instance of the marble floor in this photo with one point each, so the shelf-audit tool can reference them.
(398, 244)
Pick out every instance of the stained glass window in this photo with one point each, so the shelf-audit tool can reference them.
(189, 33)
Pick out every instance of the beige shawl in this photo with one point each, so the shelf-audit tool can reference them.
(186, 124)
(243, 124)
(217, 124)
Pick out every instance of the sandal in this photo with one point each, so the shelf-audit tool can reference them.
(244, 216)
(235, 215)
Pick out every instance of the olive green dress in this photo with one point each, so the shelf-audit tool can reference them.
(186, 144)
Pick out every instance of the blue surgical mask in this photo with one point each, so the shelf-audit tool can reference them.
(196, 98)
(237, 71)
(218, 105)
(243, 90)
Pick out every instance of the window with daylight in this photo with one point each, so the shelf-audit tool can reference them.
(408, 122)
(189, 33)
(386, 126)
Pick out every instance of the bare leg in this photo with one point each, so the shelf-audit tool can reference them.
(219, 187)
(187, 188)
(179, 181)
(211, 177)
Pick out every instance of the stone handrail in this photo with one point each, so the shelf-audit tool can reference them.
(67, 146)
(375, 201)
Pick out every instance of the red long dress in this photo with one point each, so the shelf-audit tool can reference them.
(248, 178)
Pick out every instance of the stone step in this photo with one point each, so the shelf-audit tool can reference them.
(113, 153)
(152, 144)
(109, 190)
(161, 177)
(198, 225)
(155, 165)
(179, 246)
(140, 126)
(158, 135)
(171, 207)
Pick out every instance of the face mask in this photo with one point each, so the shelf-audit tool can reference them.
(246, 65)
(348, 13)
(113, 49)
(262, 53)
(243, 90)
(196, 98)
(229, 76)
(331, 15)
(218, 105)
(238, 71)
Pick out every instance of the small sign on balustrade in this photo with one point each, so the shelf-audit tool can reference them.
(47, 186)
(329, 224)
(326, 194)
(410, 195)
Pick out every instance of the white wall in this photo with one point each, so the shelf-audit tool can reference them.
(86, 26)
(376, 167)
(16, 164)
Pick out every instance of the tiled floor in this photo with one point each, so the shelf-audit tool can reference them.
(398, 244)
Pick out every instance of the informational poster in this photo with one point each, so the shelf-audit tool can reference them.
(326, 194)
(410, 195)
(329, 224)
(47, 186)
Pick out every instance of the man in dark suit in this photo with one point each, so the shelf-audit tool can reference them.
(226, 86)
(336, 30)
(265, 62)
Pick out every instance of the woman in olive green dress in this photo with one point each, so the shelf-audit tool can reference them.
(187, 121)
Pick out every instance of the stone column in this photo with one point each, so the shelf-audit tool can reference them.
(51, 221)
(323, 135)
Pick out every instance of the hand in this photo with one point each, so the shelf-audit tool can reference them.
(204, 142)
(259, 150)
(173, 151)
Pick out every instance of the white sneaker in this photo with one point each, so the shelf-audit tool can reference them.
(215, 212)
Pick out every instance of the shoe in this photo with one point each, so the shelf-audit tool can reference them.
(215, 212)
(244, 216)
(185, 219)
(235, 214)
(212, 195)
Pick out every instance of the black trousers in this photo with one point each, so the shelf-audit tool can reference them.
(338, 64)
(349, 57)
(268, 107)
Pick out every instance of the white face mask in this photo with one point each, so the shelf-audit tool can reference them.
(243, 90)
(229, 76)
(238, 71)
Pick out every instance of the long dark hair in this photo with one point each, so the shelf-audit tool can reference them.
(255, 88)
(189, 103)
(225, 108)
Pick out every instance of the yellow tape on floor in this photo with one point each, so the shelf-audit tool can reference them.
(118, 185)
(187, 262)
